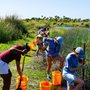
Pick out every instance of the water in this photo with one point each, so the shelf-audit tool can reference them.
(65, 27)
(71, 27)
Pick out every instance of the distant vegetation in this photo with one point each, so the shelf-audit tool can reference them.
(13, 28)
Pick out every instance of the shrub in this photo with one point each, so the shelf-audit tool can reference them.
(12, 29)
(8, 33)
(14, 21)
(71, 38)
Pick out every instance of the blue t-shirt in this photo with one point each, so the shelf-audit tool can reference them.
(71, 61)
(53, 48)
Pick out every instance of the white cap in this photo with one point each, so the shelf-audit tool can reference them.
(60, 40)
(80, 51)
(39, 36)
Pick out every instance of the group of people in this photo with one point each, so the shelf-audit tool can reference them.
(50, 48)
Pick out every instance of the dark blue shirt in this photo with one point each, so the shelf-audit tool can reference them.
(53, 48)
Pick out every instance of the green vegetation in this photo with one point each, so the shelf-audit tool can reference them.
(15, 31)
(11, 28)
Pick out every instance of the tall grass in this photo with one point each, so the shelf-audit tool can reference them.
(11, 29)
(72, 38)
(16, 22)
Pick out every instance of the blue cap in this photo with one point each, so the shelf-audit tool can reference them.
(60, 40)
(81, 52)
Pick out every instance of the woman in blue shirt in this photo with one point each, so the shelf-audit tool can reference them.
(53, 50)
(71, 66)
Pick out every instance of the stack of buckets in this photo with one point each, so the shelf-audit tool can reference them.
(56, 80)
(23, 82)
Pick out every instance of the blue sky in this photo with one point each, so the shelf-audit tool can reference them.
(48, 8)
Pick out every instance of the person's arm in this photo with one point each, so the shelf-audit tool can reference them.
(70, 64)
(37, 52)
(73, 69)
(18, 68)
(46, 42)
(14, 50)
(78, 68)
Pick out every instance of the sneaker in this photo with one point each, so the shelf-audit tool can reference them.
(49, 76)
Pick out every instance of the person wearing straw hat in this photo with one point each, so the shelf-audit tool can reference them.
(39, 39)
(52, 52)
(14, 53)
(71, 66)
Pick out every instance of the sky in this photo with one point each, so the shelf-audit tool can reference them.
(47, 8)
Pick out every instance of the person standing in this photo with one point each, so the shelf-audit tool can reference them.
(52, 52)
(70, 68)
(39, 40)
(14, 53)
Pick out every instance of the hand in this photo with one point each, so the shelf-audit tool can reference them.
(20, 74)
(24, 51)
(82, 61)
(50, 55)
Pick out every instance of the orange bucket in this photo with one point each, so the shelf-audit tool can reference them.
(45, 85)
(56, 78)
(35, 42)
(23, 82)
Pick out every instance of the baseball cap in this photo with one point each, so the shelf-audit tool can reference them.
(40, 36)
(60, 40)
(80, 51)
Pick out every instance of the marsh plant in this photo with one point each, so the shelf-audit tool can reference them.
(11, 28)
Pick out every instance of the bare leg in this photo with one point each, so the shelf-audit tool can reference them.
(6, 81)
(49, 65)
(69, 88)
(59, 58)
(79, 83)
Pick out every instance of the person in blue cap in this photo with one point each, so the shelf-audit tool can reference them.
(71, 66)
(52, 52)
